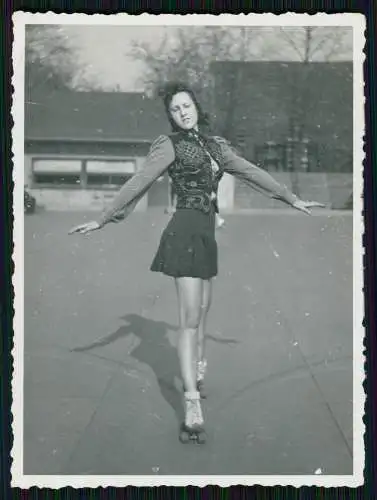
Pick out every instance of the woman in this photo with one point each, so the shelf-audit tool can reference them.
(188, 251)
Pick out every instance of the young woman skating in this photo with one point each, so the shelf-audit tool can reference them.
(187, 250)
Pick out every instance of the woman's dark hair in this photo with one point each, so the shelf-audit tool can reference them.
(169, 91)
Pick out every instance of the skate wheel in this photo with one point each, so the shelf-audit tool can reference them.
(184, 437)
(201, 438)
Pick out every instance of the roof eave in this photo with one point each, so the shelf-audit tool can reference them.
(88, 139)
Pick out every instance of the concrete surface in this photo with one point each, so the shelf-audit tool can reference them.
(101, 388)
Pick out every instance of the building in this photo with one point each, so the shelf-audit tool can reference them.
(256, 105)
(80, 147)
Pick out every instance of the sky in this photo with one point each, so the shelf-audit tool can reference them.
(104, 52)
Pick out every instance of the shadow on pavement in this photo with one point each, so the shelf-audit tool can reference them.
(156, 351)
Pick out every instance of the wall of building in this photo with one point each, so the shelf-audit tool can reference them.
(65, 198)
(71, 197)
(334, 190)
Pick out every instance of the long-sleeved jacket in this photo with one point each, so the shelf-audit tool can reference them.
(191, 170)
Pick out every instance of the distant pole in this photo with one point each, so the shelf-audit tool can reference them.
(308, 41)
(243, 51)
(304, 162)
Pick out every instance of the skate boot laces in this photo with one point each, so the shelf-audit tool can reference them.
(194, 414)
(201, 370)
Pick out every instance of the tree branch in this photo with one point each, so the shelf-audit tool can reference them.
(338, 43)
(292, 43)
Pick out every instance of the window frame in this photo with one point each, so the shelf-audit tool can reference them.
(52, 185)
(83, 174)
(109, 174)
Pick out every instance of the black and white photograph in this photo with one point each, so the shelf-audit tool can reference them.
(188, 256)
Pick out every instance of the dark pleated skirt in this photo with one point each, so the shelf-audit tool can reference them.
(188, 246)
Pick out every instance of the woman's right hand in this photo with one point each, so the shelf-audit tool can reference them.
(85, 228)
(305, 206)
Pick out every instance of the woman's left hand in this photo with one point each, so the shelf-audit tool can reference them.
(304, 206)
(85, 228)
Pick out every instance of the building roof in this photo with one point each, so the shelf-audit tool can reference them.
(94, 116)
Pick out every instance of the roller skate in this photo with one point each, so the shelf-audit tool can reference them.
(192, 429)
(201, 368)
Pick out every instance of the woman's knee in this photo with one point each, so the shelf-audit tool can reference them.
(207, 296)
(206, 304)
(192, 318)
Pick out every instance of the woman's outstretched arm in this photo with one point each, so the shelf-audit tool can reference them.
(262, 181)
(160, 156)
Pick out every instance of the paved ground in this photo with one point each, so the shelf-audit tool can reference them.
(101, 372)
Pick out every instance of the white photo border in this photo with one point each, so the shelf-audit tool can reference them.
(357, 21)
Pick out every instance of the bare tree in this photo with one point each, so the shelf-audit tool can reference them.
(315, 43)
(306, 45)
(184, 54)
(187, 54)
(310, 44)
(50, 61)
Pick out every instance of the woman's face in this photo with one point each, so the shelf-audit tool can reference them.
(183, 111)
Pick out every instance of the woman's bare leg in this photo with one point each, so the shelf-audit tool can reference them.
(201, 365)
(205, 306)
(189, 291)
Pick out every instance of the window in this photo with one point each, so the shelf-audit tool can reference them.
(107, 179)
(82, 173)
(60, 179)
(109, 173)
(57, 171)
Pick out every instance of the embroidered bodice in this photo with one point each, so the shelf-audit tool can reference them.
(196, 171)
